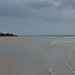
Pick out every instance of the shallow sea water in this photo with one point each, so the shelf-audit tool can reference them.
(37, 56)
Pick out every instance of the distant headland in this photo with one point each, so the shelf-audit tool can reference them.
(7, 34)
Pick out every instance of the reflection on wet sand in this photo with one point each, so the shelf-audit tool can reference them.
(12, 64)
(27, 62)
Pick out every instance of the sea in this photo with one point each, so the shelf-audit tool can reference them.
(37, 55)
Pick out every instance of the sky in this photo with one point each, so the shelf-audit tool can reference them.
(37, 17)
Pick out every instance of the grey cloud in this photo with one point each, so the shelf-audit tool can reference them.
(67, 4)
(44, 10)
(20, 8)
(12, 8)
(39, 4)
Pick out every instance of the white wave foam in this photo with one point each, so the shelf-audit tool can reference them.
(54, 42)
(69, 37)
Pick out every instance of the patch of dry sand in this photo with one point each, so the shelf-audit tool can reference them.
(14, 41)
(9, 38)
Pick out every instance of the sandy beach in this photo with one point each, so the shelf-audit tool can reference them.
(37, 56)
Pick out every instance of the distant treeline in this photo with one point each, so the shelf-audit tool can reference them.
(7, 34)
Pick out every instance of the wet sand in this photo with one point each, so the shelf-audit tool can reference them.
(37, 56)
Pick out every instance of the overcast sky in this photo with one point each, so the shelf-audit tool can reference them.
(40, 17)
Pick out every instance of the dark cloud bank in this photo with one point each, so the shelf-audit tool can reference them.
(44, 10)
